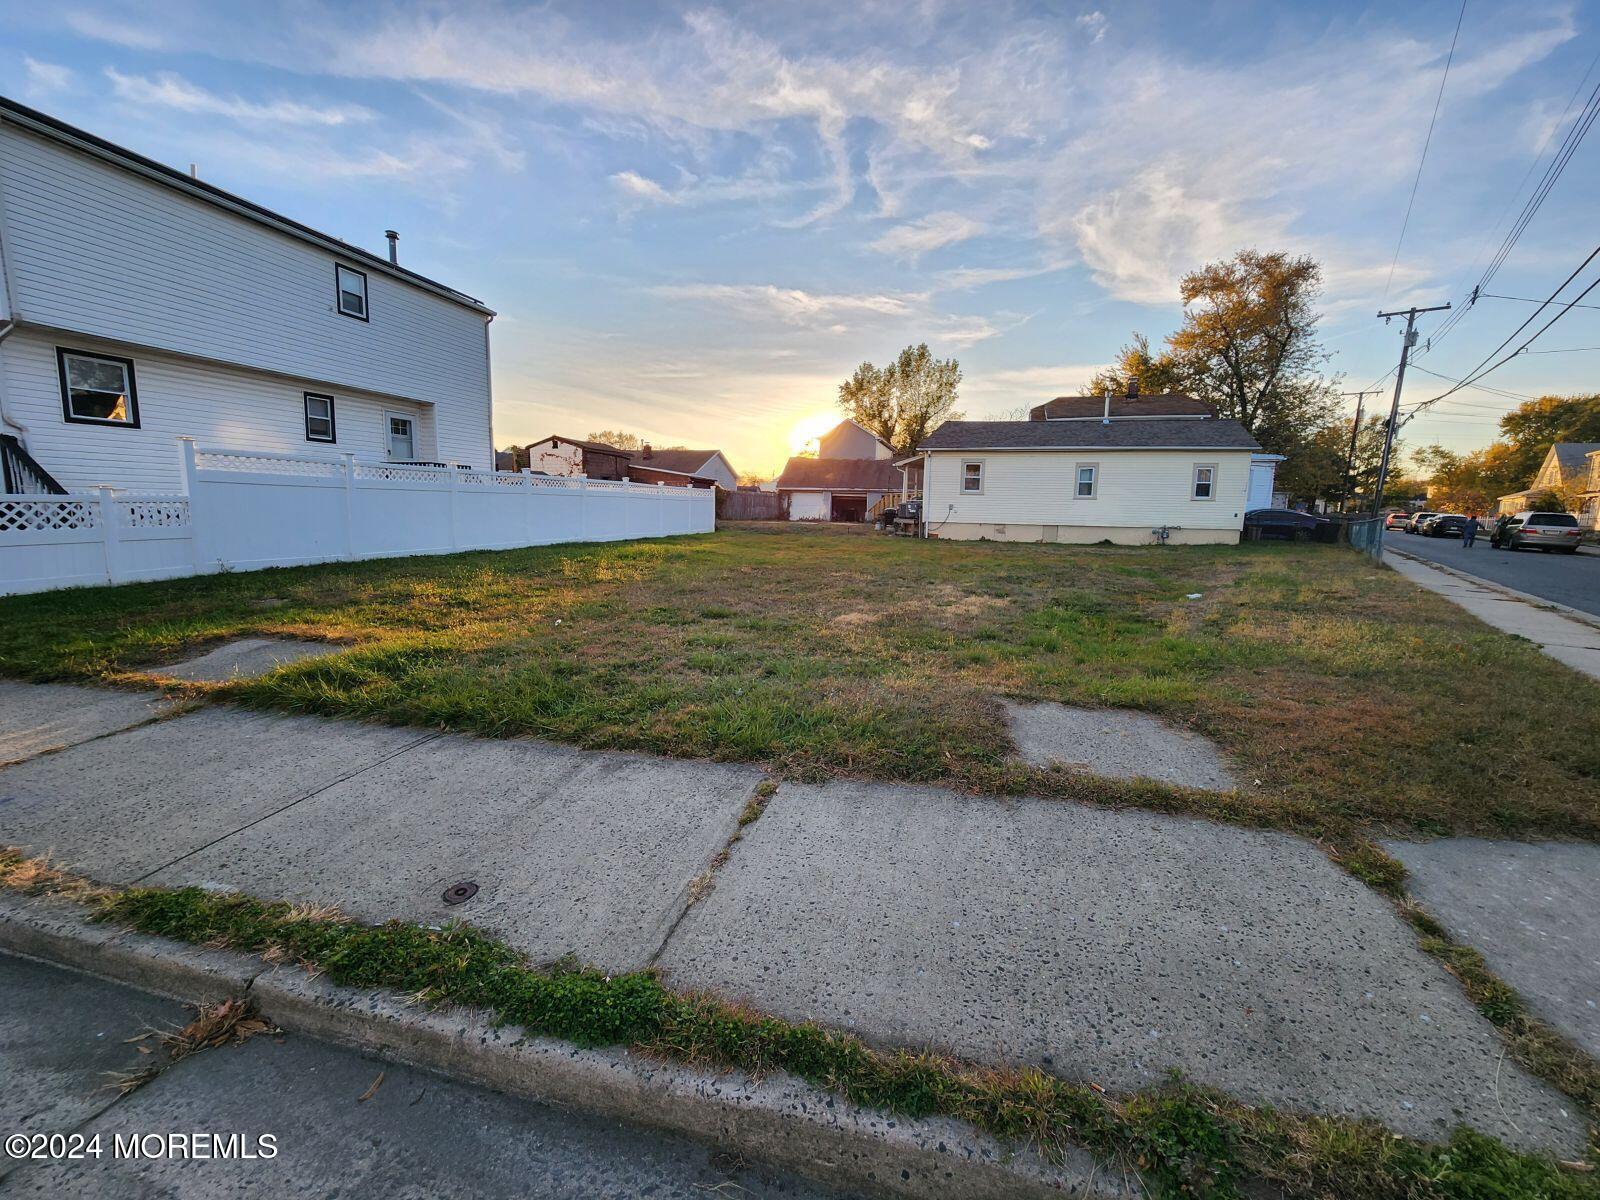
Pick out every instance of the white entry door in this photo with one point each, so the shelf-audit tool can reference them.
(402, 438)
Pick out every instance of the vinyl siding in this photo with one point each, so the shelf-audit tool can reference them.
(851, 441)
(99, 251)
(1135, 488)
(217, 406)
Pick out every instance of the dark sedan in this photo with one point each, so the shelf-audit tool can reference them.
(1447, 525)
(1282, 523)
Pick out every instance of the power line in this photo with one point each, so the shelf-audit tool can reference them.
(1482, 387)
(1530, 300)
(1426, 142)
(1568, 350)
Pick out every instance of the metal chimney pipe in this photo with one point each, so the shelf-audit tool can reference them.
(1106, 420)
(394, 246)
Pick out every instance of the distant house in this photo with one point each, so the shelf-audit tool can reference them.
(139, 304)
(853, 471)
(1589, 508)
(704, 464)
(1081, 479)
(569, 457)
(1565, 467)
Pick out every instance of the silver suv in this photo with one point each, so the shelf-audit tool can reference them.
(1542, 531)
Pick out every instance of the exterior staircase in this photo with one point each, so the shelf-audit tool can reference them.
(21, 472)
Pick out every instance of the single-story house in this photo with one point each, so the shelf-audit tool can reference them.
(1565, 466)
(852, 473)
(1087, 480)
(569, 458)
(708, 464)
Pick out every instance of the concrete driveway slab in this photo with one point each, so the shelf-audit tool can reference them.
(62, 1036)
(573, 852)
(1103, 945)
(245, 658)
(1531, 909)
(36, 718)
(1117, 744)
(123, 806)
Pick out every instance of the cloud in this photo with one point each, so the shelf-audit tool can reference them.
(1094, 24)
(791, 305)
(136, 35)
(169, 90)
(636, 187)
(916, 238)
(45, 78)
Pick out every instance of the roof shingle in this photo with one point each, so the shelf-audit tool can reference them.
(840, 474)
(1151, 434)
(1170, 404)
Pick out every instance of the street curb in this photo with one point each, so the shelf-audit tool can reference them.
(776, 1119)
(1575, 614)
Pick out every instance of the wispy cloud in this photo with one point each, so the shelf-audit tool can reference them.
(169, 90)
(45, 78)
(791, 305)
(636, 187)
(916, 238)
(134, 34)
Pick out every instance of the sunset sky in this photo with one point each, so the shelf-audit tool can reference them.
(695, 220)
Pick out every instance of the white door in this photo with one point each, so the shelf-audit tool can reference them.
(402, 438)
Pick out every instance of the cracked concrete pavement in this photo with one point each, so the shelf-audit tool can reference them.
(1099, 944)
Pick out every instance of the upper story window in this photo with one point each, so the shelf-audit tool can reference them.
(972, 477)
(352, 285)
(1088, 481)
(319, 418)
(1205, 481)
(97, 389)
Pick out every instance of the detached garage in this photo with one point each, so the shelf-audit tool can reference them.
(836, 489)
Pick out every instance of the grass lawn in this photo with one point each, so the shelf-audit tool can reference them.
(1344, 695)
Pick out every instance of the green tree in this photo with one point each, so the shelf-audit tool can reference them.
(615, 437)
(905, 401)
(1134, 363)
(1532, 428)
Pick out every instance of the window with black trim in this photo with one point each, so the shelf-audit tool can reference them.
(1205, 481)
(352, 288)
(319, 418)
(97, 389)
(972, 478)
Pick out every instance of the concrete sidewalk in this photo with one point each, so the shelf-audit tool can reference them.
(1572, 640)
(1101, 945)
(416, 1134)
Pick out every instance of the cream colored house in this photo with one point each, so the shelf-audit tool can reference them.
(1131, 480)
(1565, 468)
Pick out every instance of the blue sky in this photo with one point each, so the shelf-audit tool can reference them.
(694, 220)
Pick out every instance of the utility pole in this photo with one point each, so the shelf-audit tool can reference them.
(1350, 456)
(1410, 340)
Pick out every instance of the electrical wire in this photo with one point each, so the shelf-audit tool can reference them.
(1426, 142)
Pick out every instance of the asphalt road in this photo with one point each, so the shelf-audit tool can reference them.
(1570, 579)
(335, 1129)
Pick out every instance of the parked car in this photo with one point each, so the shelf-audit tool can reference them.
(1414, 525)
(1396, 520)
(1282, 523)
(1539, 531)
(1445, 525)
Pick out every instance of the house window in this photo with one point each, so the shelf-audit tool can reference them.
(97, 389)
(352, 287)
(1088, 481)
(972, 478)
(319, 418)
(1205, 481)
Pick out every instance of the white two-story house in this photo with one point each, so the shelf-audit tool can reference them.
(139, 305)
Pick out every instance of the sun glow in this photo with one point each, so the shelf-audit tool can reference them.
(804, 433)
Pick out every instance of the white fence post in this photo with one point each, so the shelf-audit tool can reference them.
(528, 522)
(109, 534)
(583, 508)
(349, 507)
(190, 482)
(455, 527)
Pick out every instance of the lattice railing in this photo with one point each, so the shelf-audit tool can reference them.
(267, 464)
(437, 476)
(43, 514)
(152, 512)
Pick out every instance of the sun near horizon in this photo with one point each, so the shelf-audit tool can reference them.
(809, 428)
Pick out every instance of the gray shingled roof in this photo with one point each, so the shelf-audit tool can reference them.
(1168, 404)
(840, 474)
(1571, 455)
(1151, 434)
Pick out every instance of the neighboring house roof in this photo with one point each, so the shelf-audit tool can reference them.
(647, 472)
(839, 475)
(69, 135)
(1570, 455)
(593, 447)
(1152, 434)
(676, 459)
(1171, 404)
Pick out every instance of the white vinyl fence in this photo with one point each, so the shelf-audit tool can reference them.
(244, 511)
